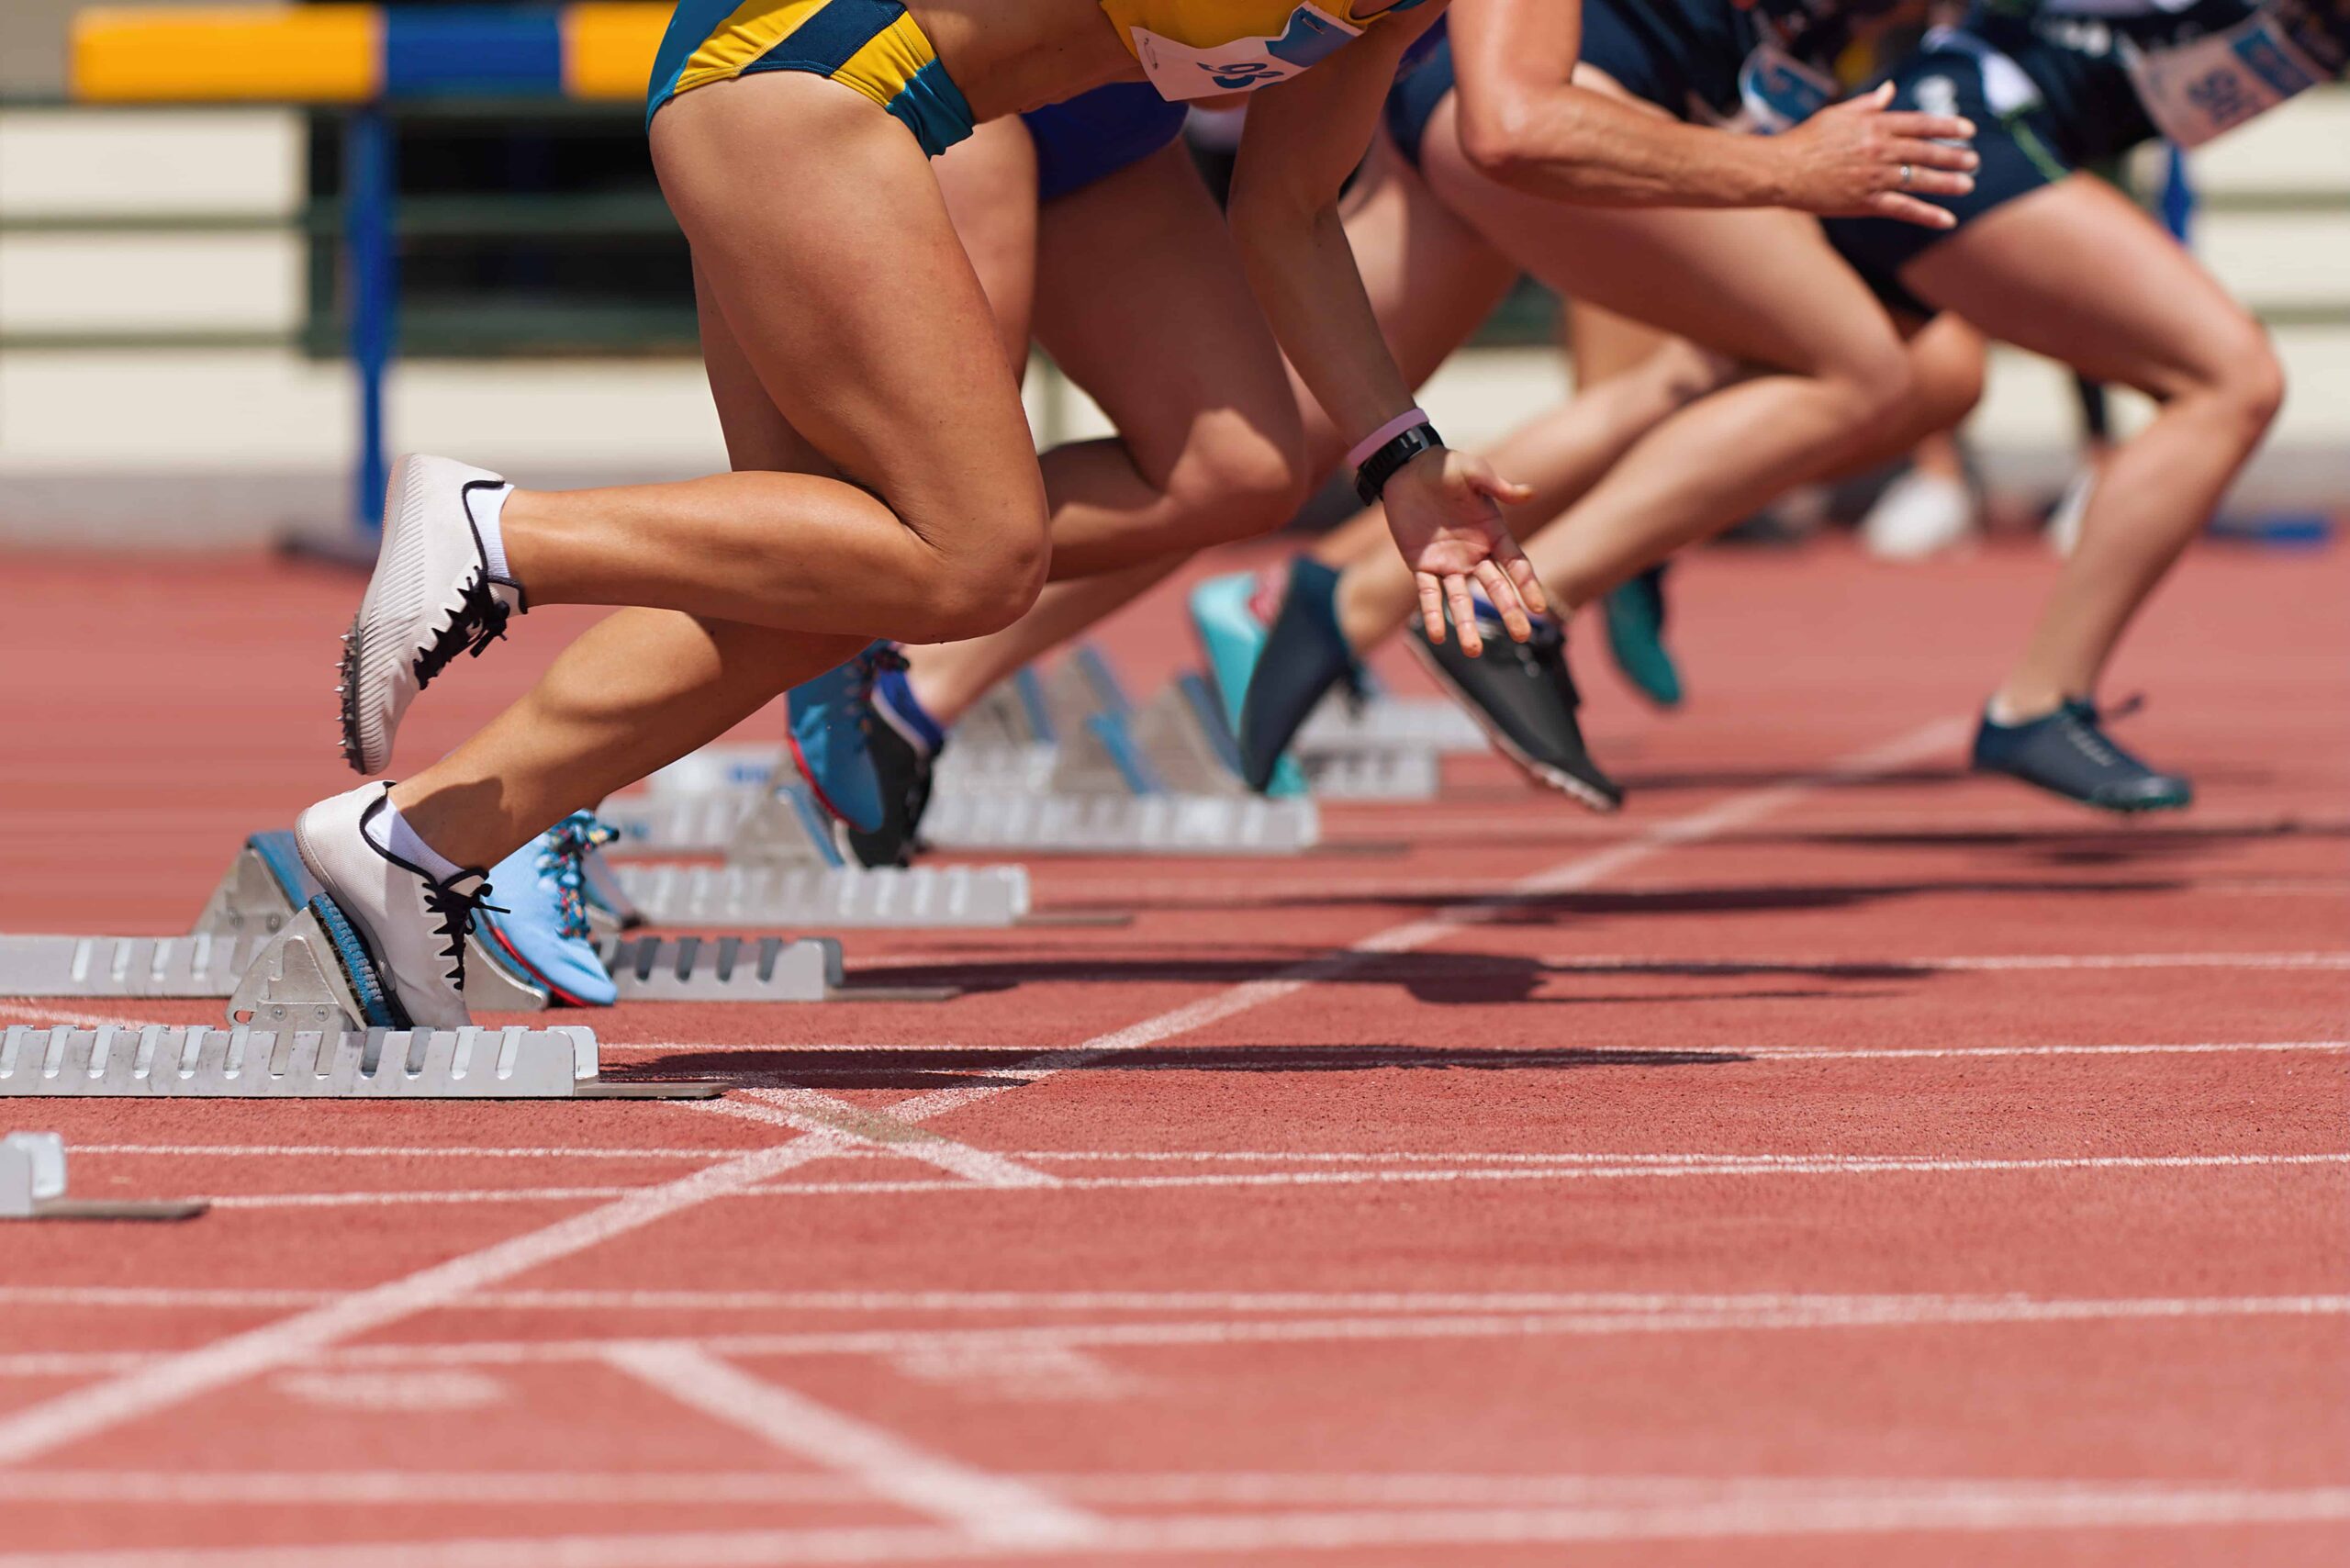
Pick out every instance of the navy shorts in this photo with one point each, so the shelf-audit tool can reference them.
(2069, 117)
(1095, 134)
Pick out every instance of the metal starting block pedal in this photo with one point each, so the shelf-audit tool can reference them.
(309, 1020)
(1339, 725)
(156, 1061)
(32, 1187)
(266, 887)
(784, 868)
(1185, 735)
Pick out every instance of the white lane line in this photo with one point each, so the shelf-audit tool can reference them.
(1617, 963)
(84, 1412)
(1560, 1168)
(35, 1011)
(1604, 1318)
(2081, 1506)
(991, 1508)
(863, 1131)
(1333, 1302)
(179, 1488)
(411, 1151)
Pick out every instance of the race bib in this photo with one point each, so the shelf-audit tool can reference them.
(2195, 90)
(1780, 92)
(1181, 71)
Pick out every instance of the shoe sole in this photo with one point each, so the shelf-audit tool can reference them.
(531, 972)
(2110, 808)
(367, 737)
(1539, 772)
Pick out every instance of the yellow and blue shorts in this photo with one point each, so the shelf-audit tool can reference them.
(871, 46)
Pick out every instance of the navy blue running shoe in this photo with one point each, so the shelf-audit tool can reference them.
(831, 736)
(1525, 699)
(2068, 753)
(902, 745)
(1304, 655)
(1635, 616)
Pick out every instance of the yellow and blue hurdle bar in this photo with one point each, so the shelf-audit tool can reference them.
(365, 57)
(363, 54)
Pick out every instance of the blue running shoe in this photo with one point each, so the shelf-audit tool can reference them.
(1304, 655)
(2068, 753)
(1635, 616)
(1232, 640)
(542, 933)
(831, 736)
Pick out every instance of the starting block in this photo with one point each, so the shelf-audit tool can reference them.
(156, 1061)
(267, 888)
(1341, 724)
(1186, 736)
(309, 1021)
(32, 1187)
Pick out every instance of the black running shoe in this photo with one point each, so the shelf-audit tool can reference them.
(904, 771)
(2068, 753)
(1523, 696)
(1304, 655)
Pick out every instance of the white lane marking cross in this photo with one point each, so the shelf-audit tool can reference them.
(991, 1508)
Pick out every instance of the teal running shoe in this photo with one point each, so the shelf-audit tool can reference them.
(831, 736)
(541, 932)
(1635, 616)
(1232, 640)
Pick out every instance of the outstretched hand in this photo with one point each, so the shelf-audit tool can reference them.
(1444, 509)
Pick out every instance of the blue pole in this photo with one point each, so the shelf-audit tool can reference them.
(370, 189)
(2179, 195)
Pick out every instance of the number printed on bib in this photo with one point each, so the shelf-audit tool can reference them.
(1181, 71)
(2194, 91)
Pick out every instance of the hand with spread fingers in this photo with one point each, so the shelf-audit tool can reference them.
(1861, 159)
(1444, 509)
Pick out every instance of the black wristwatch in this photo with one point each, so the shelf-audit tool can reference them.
(1371, 477)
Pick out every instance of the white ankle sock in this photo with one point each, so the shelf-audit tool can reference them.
(388, 831)
(487, 509)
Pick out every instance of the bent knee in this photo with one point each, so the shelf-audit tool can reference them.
(2253, 379)
(1879, 381)
(1945, 388)
(1237, 484)
(986, 587)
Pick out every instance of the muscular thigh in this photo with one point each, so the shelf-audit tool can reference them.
(1141, 299)
(826, 249)
(2077, 272)
(1432, 278)
(990, 182)
(1763, 286)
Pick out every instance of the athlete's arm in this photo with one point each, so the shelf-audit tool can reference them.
(1525, 123)
(1303, 139)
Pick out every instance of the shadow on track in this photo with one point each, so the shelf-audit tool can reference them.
(882, 1067)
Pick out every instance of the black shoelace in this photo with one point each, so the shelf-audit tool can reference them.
(456, 909)
(478, 621)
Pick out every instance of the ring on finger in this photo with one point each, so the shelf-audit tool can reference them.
(1906, 173)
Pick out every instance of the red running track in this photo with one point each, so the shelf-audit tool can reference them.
(1802, 1168)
